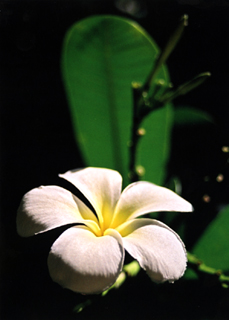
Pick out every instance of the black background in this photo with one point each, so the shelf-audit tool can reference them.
(37, 143)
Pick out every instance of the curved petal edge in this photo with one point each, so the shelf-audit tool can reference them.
(84, 263)
(159, 251)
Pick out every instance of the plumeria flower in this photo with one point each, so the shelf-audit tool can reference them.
(88, 256)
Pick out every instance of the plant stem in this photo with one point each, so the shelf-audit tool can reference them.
(135, 132)
(170, 46)
(203, 270)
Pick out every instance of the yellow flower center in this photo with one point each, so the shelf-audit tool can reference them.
(103, 223)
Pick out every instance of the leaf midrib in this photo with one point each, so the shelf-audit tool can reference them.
(111, 98)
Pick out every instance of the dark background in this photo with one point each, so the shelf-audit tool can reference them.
(37, 143)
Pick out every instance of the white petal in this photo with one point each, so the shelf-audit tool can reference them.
(143, 197)
(84, 263)
(131, 225)
(102, 187)
(158, 249)
(45, 208)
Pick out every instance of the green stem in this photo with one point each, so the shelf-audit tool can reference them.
(170, 46)
(131, 270)
(135, 132)
(203, 270)
(142, 102)
(185, 88)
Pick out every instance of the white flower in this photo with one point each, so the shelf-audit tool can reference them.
(88, 257)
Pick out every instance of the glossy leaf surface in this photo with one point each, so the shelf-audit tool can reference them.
(102, 56)
(213, 246)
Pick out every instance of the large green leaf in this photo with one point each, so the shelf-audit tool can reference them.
(213, 246)
(102, 56)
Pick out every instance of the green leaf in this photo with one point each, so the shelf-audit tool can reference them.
(213, 246)
(190, 274)
(102, 56)
(190, 116)
(154, 147)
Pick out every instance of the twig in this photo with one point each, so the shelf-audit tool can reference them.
(202, 270)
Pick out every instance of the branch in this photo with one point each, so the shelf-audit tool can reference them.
(202, 270)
